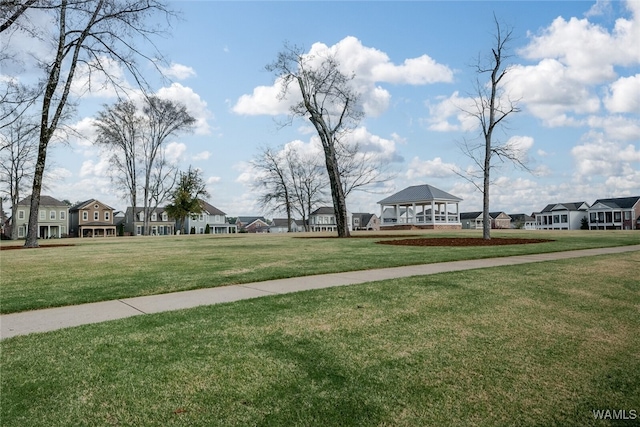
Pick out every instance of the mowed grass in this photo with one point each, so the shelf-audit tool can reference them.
(105, 269)
(539, 344)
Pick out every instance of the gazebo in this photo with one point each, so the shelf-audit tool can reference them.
(420, 206)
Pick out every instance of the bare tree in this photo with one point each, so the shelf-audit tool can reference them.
(163, 118)
(17, 156)
(360, 169)
(273, 181)
(119, 131)
(492, 107)
(308, 183)
(94, 33)
(137, 140)
(331, 105)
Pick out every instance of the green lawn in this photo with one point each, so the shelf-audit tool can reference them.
(540, 344)
(104, 269)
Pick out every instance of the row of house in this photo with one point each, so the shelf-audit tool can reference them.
(92, 218)
(422, 206)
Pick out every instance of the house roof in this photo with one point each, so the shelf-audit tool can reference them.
(325, 210)
(211, 210)
(246, 220)
(573, 206)
(474, 215)
(521, 217)
(44, 201)
(364, 217)
(620, 202)
(84, 204)
(282, 222)
(419, 193)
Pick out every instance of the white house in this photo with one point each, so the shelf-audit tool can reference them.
(324, 219)
(211, 216)
(562, 216)
(621, 213)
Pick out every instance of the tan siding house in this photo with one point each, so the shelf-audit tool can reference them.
(91, 218)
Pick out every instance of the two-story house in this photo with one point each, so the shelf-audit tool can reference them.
(159, 222)
(365, 221)
(622, 213)
(211, 216)
(562, 216)
(91, 218)
(53, 217)
(324, 219)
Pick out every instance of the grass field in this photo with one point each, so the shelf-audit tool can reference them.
(103, 269)
(541, 344)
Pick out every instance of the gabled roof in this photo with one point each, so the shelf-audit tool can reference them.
(86, 203)
(419, 193)
(211, 210)
(44, 201)
(282, 222)
(573, 206)
(475, 215)
(521, 217)
(470, 215)
(325, 210)
(246, 220)
(619, 203)
(365, 218)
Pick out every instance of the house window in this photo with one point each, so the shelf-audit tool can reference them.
(85, 215)
(592, 217)
(138, 230)
(96, 216)
(63, 230)
(201, 217)
(556, 219)
(201, 230)
(21, 214)
(107, 217)
(43, 214)
(154, 217)
(617, 216)
(627, 215)
(62, 215)
(164, 216)
(20, 231)
(564, 218)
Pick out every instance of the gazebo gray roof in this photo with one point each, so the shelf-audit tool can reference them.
(419, 193)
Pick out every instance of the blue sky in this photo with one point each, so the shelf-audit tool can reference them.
(576, 74)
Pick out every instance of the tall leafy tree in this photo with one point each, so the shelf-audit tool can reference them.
(330, 103)
(187, 197)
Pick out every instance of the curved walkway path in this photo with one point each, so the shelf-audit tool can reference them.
(63, 317)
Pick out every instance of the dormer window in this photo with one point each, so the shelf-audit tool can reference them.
(154, 217)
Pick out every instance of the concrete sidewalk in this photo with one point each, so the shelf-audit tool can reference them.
(63, 317)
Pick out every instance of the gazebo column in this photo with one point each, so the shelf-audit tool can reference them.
(446, 213)
(415, 215)
(433, 212)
